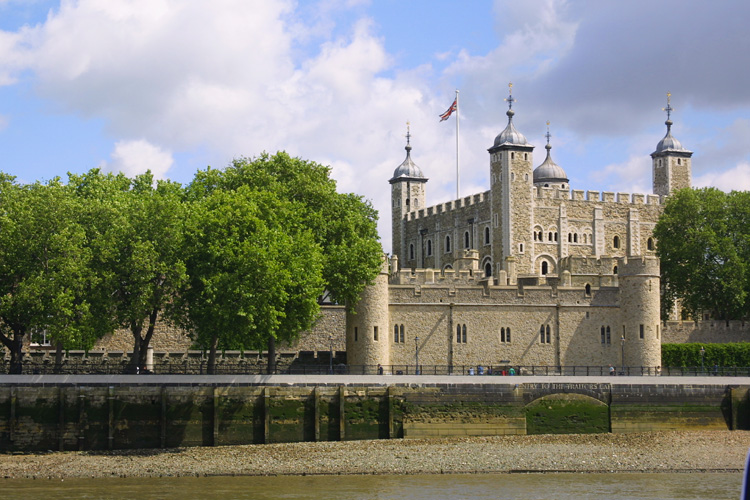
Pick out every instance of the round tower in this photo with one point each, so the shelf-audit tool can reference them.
(549, 173)
(670, 162)
(639, 311)
(511, 179)
(367, 326)
(407, 195)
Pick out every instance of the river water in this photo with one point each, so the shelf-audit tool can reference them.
(560, 486)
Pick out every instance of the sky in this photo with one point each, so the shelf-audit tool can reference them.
(175, 86)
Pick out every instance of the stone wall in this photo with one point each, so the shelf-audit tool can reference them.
(115, 413)
(710, 331)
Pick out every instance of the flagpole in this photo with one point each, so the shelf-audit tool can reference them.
(457, 163)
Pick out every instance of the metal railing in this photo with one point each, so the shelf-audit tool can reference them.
(200, 367)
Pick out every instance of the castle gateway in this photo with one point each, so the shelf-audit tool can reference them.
(530, 272)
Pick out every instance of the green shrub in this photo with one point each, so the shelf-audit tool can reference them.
(684, 355)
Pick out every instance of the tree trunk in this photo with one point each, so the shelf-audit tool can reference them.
(58, 356)
(211, 369)
(145, 341)
(271, 369)
(135, 360)
(16, 354)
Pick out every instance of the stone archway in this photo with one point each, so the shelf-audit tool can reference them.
(567, 413)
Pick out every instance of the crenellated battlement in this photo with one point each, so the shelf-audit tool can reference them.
(553, 193)
(639, 266)
(449, 206)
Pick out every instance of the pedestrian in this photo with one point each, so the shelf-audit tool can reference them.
(380, 369)
(512, 371)
(611, 370)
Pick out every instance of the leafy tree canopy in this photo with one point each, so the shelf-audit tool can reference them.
(704, 246)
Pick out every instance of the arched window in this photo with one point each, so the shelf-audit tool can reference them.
(548, 336)
(614, 271)
(609, 336)
(463, 332)
(512, 155)
(520, 247)
(604, 338)
(401, 331)
(429, 247)
(616, 242)
(395, 333)
(486, 235)
(507, 334)
(550, 236)
(650, 244)
(502, 335)
(534, 235)
(541, 334)
(488, 270)
(575, 238)
(466, 239)
(411, 251)
(570, 237)
(545, 267)
(540, 236)
(588, 290)
(526, 156)
(407, 203)
(447, 244)
(458, 334)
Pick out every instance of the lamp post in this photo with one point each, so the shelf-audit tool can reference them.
(330, 357)
(622, 354)
(703, 353)
(416, 355)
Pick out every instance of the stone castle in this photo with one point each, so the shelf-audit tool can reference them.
(530, 272)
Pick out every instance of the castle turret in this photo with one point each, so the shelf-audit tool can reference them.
(367, 340)
(511, 176)
(640, 311)
(407, 195)
(670, 162)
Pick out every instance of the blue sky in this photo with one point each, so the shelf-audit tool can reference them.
(177, 85)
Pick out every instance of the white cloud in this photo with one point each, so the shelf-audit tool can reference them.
(734, 179)
(136, 157)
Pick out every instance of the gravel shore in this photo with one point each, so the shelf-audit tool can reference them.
(646, 452)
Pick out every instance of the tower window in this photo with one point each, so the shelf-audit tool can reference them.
(486, 235)
(447, 244)
(512, 155)
(588, 290)
(616, 242)
(488, 270)
(375, 333)
(679, 161)
(466, 240)
(614, 270)
(545, 268)
(407, 203)
(461, 334)
(520, 247)
(429, 247)
(355, 334)
(604, 337)
(526, 156)
(642, 331)
(650, 244)
(609, 336)
(411, 252)
(575, 238)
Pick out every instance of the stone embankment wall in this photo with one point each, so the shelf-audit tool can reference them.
(74, 413)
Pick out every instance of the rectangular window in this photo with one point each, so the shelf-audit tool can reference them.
(375, 333)
(641, 331)
(395, 333)
(355, 333)
(402, 334)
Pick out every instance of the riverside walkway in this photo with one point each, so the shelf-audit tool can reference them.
(360, 380)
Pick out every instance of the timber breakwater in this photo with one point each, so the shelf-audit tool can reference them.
(76, 413)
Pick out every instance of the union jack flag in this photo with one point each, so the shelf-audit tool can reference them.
(450, 111)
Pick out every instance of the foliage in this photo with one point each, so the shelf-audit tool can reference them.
(254, 271)
(704, 247)
(44, 266)
(344, 225)
(688, 355)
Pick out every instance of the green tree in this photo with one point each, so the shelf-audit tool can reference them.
(135, 228)
(703, 243)
(254, 271)
(342, 226)
(44, 267)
